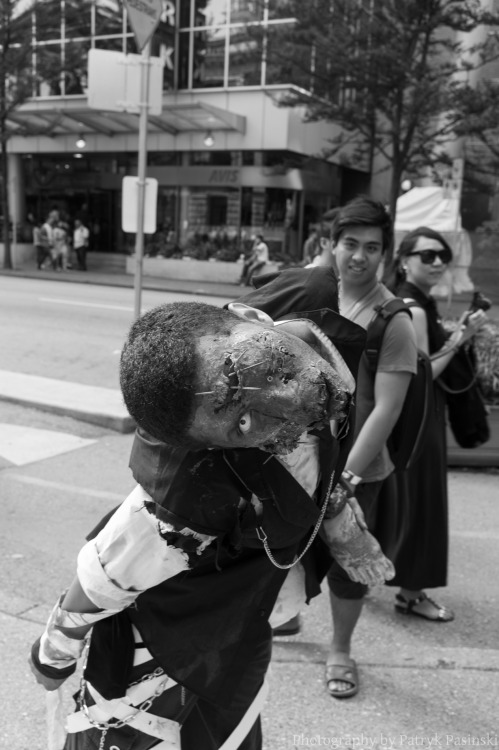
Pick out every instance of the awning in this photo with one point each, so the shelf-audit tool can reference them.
(71, 115)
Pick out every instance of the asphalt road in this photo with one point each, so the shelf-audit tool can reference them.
(68, 331)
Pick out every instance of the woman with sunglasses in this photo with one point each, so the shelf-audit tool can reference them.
(421, 558)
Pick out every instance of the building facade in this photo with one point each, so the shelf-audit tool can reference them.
(229, 159)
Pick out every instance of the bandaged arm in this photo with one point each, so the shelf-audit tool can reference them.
(131, 554)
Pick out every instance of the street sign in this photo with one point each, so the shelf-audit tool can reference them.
(144, 17)
(114, 81)
(129, 205)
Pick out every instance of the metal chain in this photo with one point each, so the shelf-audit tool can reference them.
(263, 536)
(118, 723)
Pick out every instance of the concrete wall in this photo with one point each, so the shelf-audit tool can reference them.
(193, 270)
(20, 253)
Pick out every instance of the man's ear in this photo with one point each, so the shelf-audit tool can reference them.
(250, 314)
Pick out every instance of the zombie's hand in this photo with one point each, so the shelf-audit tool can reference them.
(49, 683)
(355, 549)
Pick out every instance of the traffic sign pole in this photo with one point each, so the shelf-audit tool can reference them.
(142, 166)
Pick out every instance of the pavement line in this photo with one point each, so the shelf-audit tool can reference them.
(84, 304)
(99, 494)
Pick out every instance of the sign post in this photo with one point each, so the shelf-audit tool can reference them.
(144, 17)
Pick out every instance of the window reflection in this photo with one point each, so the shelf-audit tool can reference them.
(209, 58)
(245, 56)
(245, 11)
(75, 67)
(210, 12)
(108, 17)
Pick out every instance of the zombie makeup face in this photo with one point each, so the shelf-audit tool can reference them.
(263, 386)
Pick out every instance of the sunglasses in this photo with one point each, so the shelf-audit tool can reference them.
(428, 256)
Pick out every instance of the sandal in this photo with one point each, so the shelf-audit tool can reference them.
(291, 627)
(408, 607)
(343, 673)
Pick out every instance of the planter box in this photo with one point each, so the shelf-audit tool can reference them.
(485, 455)
(216, 271)
(20, 253)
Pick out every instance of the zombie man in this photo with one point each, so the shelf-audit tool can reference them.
(235, 459)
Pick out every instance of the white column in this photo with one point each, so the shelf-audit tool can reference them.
(17, 202)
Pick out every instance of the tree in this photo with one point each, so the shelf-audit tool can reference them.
(393, 74)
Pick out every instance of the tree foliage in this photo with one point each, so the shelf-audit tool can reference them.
(394, 74)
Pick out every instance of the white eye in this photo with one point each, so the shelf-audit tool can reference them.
(245, 423)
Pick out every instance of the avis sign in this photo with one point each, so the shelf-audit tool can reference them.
(144, 17)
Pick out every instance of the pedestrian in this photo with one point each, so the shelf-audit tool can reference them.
(361, 232)
(47, 239)
(258, 258)
(422, 548)
(61, 245)
(177, 584)
(322, 256)
(38, 242)
(81, 237)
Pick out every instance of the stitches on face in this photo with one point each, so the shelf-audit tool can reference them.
(264, 388)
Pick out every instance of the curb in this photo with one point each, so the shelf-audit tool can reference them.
(124, 424)
(99, 406)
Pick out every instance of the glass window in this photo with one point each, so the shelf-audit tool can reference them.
(245, 56)
(246, 206)
(48, 22)
(281, 9)
(48, 66)
(77, 19)
(209, 58)
(210, 12)
(184, 19)
(108, 17)
(164, 158)
(115, 45)
(163, 45)
(243, 11)
(76, 67)
(183, 79)
(248, 158)
(216, 207)
(215, 158)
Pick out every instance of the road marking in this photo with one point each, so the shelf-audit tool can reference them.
(84, 304)
(21, 445)
(101, 495)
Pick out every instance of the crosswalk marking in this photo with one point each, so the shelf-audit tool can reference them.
(21, 445)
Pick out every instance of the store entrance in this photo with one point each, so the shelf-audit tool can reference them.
(96, 208)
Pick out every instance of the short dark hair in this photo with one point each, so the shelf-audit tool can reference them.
(366, 212)
(159, 364)
(396, 275)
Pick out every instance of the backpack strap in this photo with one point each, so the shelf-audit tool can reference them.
(377, 326)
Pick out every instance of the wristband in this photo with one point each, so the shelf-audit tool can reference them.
(349, 476)
(47, 671)
(350, 482)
